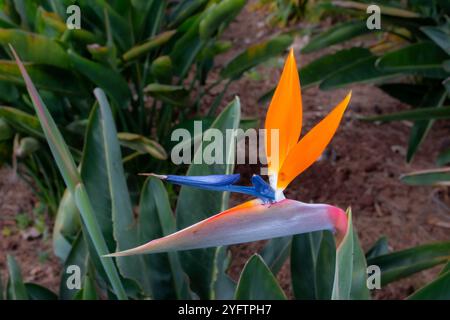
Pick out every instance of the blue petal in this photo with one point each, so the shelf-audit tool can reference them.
(260, 188)
(204, 181)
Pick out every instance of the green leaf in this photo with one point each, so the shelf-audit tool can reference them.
(78, 256)
(304, 252)
(423, 58)
(445, 269)
(362, 71)
(187, 48)
(439, 289)
(21, 121)
(89, 291)
(257, 282)
(51, 25)
(45, 77)
(107, 79)
(37, 292)
(66, 227)
(120, 28)
(339, 33)
(6, 132)
(142, 144)
(440, 36)
(8, 92)
(275, 253)
(148, 17)
(16, 288)
(359, 289)
(344, 264)
(195, 205)
(26, 11)
(414, 115)
(35, 48)
(400, 264)
(249, 123)
(325, 66)
(217, 15)
(57, 145)
(223, 286)
(71, 177)
(325, 267)
(434, 98)
(255, 55)
(175, 95)
(168, 280)
(430, 177)
(443, 158)
(108, 190)
(385, 10)
(149, 45)
(379, 248)
(411, 94)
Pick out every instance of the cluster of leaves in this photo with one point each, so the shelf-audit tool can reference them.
(102, 204)
(152, 58)
(284, 12)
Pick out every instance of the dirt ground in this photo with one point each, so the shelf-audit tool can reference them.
(361, 169)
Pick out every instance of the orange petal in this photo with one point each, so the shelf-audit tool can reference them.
(311, 146)
(284, 114)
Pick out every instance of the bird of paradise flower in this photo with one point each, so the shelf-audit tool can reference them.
(270, 215)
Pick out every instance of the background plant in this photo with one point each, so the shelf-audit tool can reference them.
(152, 58)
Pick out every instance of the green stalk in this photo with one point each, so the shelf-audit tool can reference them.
(72, 178)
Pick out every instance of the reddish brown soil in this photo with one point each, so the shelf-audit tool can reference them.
(361, 169)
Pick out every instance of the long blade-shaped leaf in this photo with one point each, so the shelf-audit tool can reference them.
(115, 200)
(107, 79)
(423, 58)
(255, 55)
(16, 288)
(37, 292)
(440, 176)
(71, 177)
(403, 263)
(359, 290)
(35, 47)
(258, 283)
(304, 250)
(195, 205)
(415, 114)
(439, 289)
(337, 34)
(275, 253)
(59, 149)
(156, 219)
(77, 256)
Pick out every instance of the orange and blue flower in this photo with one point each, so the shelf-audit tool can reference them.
(270, 215)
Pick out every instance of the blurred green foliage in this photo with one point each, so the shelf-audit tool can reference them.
(152, 58)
